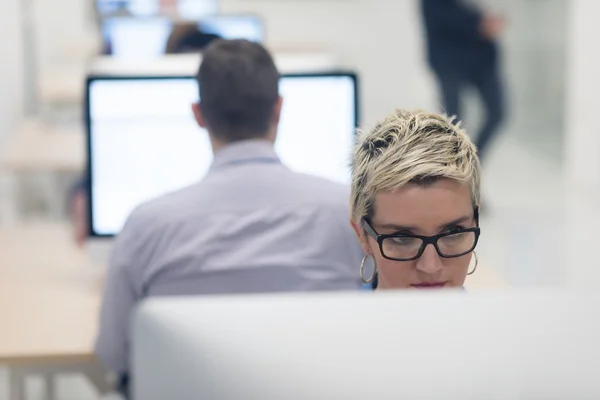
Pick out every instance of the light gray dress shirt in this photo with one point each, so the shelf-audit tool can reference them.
(250, 226)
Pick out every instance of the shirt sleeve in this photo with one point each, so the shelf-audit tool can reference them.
(452, 18)
(121, 295)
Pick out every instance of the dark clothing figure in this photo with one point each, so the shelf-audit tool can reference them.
(460, 54)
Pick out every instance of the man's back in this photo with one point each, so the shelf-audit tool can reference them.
(251, 226)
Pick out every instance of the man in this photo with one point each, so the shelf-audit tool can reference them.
(252, 225)
(463, 50)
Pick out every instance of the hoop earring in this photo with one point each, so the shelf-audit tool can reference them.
(476, 264)
(362, 270)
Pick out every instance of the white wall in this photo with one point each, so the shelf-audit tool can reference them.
(382, 39)
(534, 52)
(66, 36)
(10, 67)
(583, 105)
(582, 139)
(64, 28)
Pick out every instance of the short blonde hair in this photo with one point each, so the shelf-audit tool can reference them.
(410, 146)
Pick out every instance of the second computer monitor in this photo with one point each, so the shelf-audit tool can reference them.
(140, 39)
(188, 9)
(143, 141)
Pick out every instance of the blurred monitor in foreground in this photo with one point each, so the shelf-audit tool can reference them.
(143, 141)
(514, 345)
(151, 37)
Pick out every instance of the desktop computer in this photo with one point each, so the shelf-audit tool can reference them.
(518, 345)
(232, 26)
(188, 9)
(146, 38)
(143, 141)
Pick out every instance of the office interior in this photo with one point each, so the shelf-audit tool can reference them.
(541, 179)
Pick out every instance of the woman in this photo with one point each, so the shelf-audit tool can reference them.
(415, 202)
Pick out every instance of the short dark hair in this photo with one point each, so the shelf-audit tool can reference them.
(239, 87)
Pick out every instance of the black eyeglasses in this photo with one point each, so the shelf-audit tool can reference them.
(407, 247)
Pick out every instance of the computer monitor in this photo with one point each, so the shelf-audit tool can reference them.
(505, 345)
(146, 38)
(249, 27)
(136, 38)
(187, 9)
(143, 141)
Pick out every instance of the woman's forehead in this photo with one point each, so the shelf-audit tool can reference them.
(426, 206)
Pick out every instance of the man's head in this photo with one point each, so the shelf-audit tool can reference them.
(239, 92)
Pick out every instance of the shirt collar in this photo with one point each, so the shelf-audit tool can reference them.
(245, 150)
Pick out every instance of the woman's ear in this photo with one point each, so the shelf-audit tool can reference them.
(361, 236)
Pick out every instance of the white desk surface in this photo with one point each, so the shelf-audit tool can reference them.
(49, 297)
(38, 147)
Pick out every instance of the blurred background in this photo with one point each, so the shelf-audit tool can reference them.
(541, 179)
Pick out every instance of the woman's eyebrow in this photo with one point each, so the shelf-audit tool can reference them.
(458, 221)
(398, 228)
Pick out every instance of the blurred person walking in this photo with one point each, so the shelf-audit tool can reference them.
(463, 50)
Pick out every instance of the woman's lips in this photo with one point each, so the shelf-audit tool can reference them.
(429, 285)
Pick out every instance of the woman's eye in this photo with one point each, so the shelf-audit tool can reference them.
(403, 240)
(454, 237)
(453, 229)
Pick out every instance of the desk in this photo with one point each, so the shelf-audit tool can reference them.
(37, 147)
(49, 301)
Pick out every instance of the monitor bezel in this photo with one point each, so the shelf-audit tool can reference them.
(90, 80)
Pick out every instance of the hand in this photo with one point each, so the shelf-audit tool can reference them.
(492, 26)
(78, 211)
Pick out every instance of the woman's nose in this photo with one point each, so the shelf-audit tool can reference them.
(430, 261)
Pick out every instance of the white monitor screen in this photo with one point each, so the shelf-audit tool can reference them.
(136, 38)
(234, 27)
(143, 141)
(146, 38)
(188, 9)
